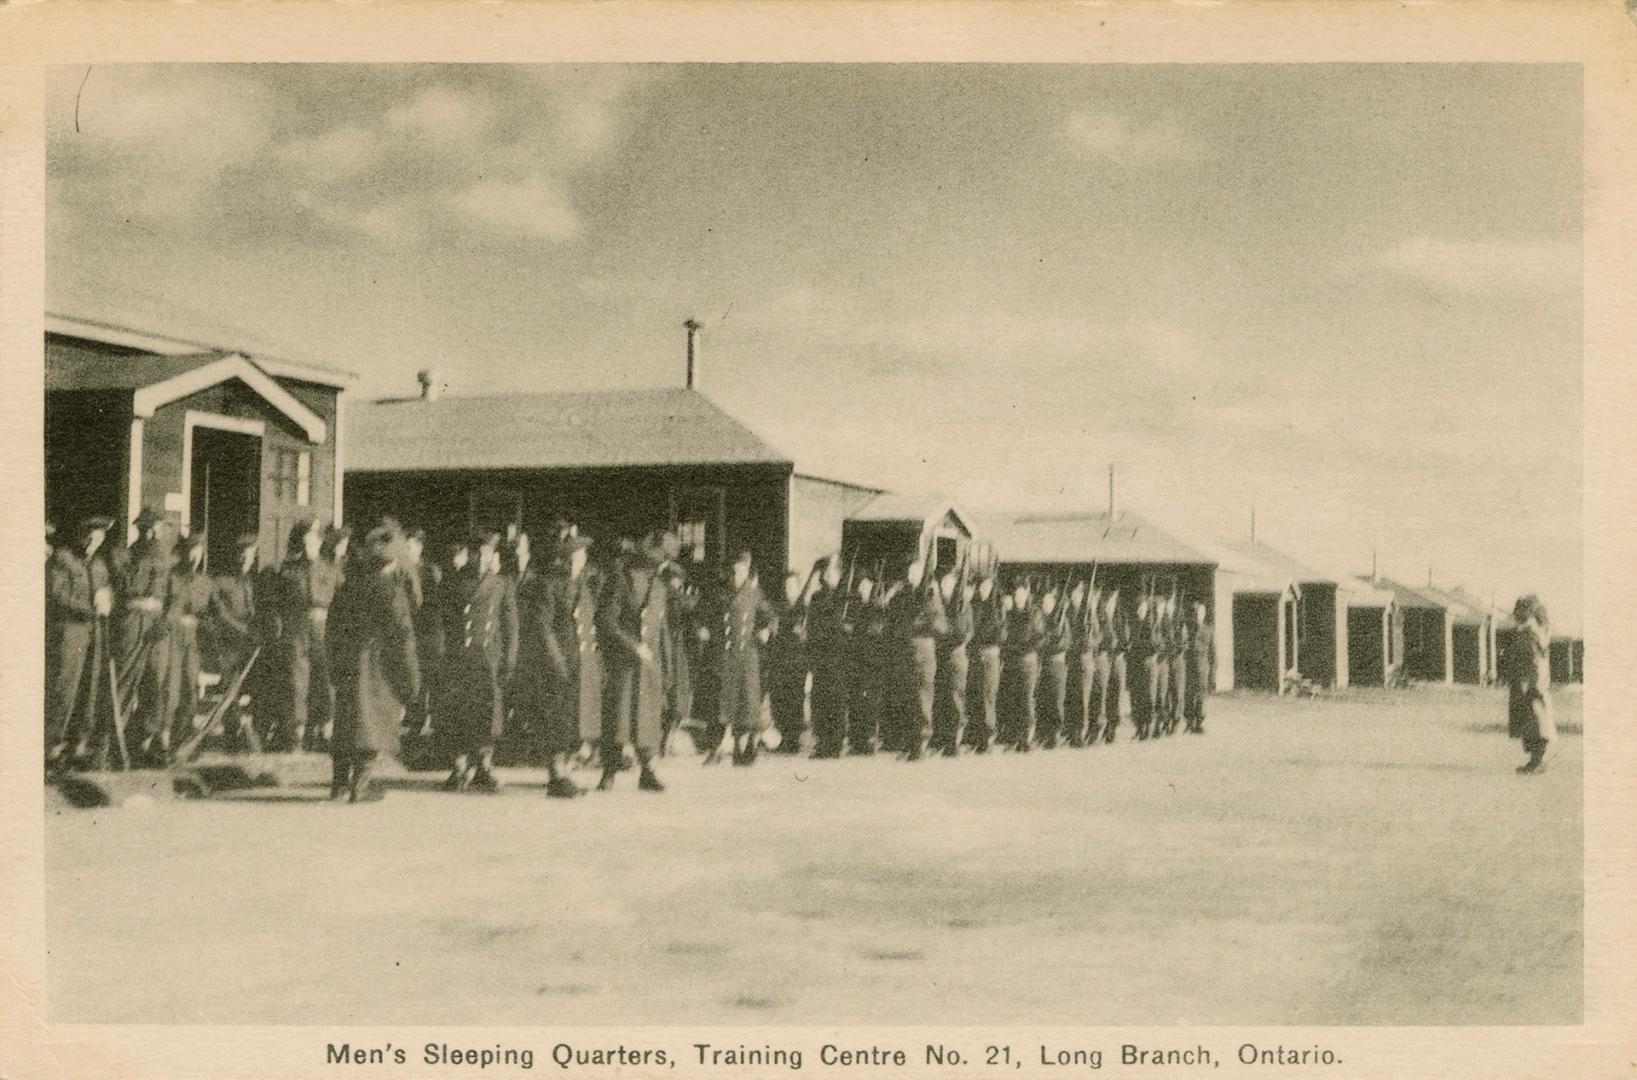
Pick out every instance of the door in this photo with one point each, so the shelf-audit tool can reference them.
(699, 518)
(225, 492)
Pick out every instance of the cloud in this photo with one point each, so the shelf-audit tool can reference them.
(534, 206)
(338, 154)
(440, 112)
(1125, 141)
(1486, 266)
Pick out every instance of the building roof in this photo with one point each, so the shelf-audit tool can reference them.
(1462, 608)
(1411, 597)
(921, 509)
(596, 429)
(1358, 593)
(91, 371)
(1086, 537)
(165, 343)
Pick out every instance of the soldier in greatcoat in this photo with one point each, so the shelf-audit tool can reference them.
(371, 642)
(745, 626)
(560, 646)
(1142, 660)
(1020, 668)
(1052, 695)
(308, 582)
(631, 627)
(828, 633)
(788, 663)
(141, 577)
(949, 709)
(79, 600)
(1087, 699)
(681, 644)
(426, 581)
(523, 575)
(191, 591)
(1116, 628)
(988, 635)
(1528, 668)
(1201, 669)
(245, 615)
(480, 657)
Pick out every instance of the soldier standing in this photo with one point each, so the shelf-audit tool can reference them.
(521, 576)
(1181, 640)
(426, 581)
(1116, 629)
(949, 714)
(372, 642)
(1088, 678)
(1143, 656)
(79, 599)
(559, 634)
(680, 644)
(864, 667)
(244, 616)
(1529, 714)
(309, 581)
(1201, 664)
(141, 576)
(988, 634)
(747, 624)
(1054, 668)
(480, 643)
(919, 622)
(190, 597)
(1020, 668)
(787, 654)
(632, 620)
(828, 636)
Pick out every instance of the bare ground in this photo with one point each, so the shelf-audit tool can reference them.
(1370, 859)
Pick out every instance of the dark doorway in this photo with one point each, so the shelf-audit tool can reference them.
(1466, 643)
(225, 499)
(1366, 652)
(1256, 642)
(948, 556)
(1424, 644)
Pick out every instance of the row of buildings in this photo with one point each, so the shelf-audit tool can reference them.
(228, 442)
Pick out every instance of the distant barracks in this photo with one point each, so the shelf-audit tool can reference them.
(235, 554)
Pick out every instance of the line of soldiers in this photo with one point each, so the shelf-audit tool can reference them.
(587, 662)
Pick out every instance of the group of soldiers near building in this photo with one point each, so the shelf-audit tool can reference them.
(586, 662)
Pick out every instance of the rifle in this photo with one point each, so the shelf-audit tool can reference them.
(847, 596)
(188, 749)
(113, 699)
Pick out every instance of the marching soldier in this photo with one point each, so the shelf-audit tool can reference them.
(681, 608)
(309, 581)
(1116, 628)
(141, 576)
(1529, 715)
(79, 599)
(1054, 668)
(480, 646)
(632, 626)
(828, 640)
(1201, 661)
(190, 599)
(244, 616)
(372, 641)
(919, 622)
(949, 728)
(559, 641)
(988, 634)
(864, 666)
(787, 654)
(1020, 668)
(747, 624)
(521, 576)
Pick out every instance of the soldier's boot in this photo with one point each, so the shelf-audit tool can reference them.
(558, 785)
(612, 760)
(1537, 754)
(340, 777)
(484, 778)
(363, 787)
(647, 781)
(458, 775)
(297, 741)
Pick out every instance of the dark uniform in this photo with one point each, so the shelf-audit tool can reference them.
(865, 669)
(828, 641)
(949, 712)
(560, 640)
(426, 583)
(191, 592)
(1020, 674)
(1117, 634)
(480, 655)
(1144, 660)
(1085, 710)
(76, 647)
(141, 576)
(787, 667)
(309, 588)
(1054, 676)
(244, 616)
(631, 623)
(1181, 644)
(988, 635)
(917, 622)
(524, 707)
(371, 642)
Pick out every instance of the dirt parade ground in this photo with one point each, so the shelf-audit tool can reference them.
(1367, 859)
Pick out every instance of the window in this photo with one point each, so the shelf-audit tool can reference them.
(292, 470)
(304, 478)
(692, 536)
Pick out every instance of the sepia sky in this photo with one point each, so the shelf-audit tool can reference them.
(1346, 295)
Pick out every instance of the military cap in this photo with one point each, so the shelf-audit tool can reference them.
(571, 542)
(146, 517)
(96, 522)
(383, 531)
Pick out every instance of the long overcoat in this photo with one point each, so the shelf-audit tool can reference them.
(371, 643)
(633, 614)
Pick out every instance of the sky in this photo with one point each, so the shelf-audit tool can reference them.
(1346, 296)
